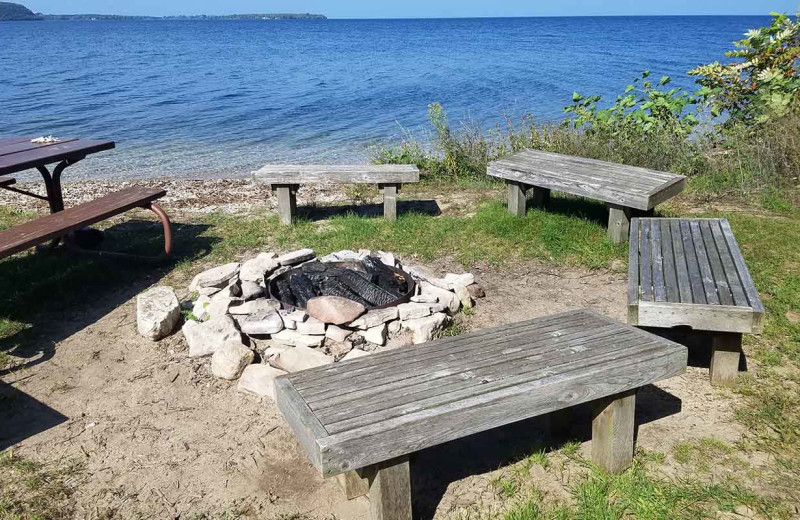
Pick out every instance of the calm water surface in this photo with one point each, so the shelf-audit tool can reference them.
(209, 98)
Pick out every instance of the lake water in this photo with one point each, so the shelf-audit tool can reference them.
(209, 98)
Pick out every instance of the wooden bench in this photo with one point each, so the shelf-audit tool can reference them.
(286, 179)
(56, 225)
(7, 181)
(371, 413)
(628, 190)
(690, 272)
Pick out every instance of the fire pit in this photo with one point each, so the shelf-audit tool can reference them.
(369, 282)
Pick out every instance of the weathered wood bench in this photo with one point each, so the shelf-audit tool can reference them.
(56, 225)
(286, 179)
(627, 190)
(690, 272)
(370, 414)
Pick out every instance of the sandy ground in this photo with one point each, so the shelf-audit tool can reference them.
(161, 438)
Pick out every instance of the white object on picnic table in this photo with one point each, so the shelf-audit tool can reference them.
(45, 140)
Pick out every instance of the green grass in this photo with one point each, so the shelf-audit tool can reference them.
(29, 490)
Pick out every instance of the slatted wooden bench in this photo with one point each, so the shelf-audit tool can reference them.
(690, 272)
(56, 225)
(286, 179)
(627, 190)
(371, 413)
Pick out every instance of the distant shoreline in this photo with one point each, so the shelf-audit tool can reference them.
(266, 16)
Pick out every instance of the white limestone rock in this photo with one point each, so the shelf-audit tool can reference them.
(337, 333)
(341, 256)
(425, 329)
(410, 311)
(259, 380)
(217, 277)
(295, 339)
(254, 307)
(296, 257)
(375, 335)
(424, 298)
(311, 326)
(261, 323)
(300, 358)
(157, 312)
(451, 281)
(375, 317)
(420, 273)
(386, 258)
(273, 350)
(394, 327)
(259, 268)
(229, 361)
(444, 296)
(251, 291)
(206, 338)
(463, 295)
(334, 309)
(354, 354)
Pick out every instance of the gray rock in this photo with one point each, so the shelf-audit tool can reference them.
(394, 327)
(157, 312)
(337, 333)
(251, 291)
(273, 350)
(375, 317)
(341, 256)
(217, 277)
(386, 258)
(442, 295)
(334, 309)
(261, 323)
(259, 380)
(376, 335)
(295, 339)
(354, 354)
(427, 328)
(410, 311)
(424, 298)
(296, 257)
(311, 326)
(229, 361)
(254, 307)
(476, 291)
(300, 358)
(450, 281)
(420, 273)
(463, 295)
(206, 338)
(338, 349)
(259, 268)
(208, 291)
(216, 306)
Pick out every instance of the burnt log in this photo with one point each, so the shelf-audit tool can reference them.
(386, 277)
(302, 288)
(284, 291)
(328, 285)
(374, 294)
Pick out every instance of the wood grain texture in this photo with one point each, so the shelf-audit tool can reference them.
(390, 490)
(337, 174)
(690, 272)
(627, 186)
(391, 404)
(353, 485)
(613, 431)
(287, 203)
(726, 350)
(41, 230)
(619, 223)
(517, 200)
(390, 201)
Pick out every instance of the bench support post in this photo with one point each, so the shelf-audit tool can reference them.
(726, 349)
(613, 430)
(353, 484)
(287, 202)
(390, 200)
(619, 223)
(389, 489)
(516, 198)
(541, 198)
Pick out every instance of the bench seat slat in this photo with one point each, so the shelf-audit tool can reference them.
(29, 234)
(681, 267)
(585, 370)
(729, 268)
(741, 267)
(720, 280)
(290, 174)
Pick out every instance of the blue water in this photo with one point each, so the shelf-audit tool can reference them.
(209, 98)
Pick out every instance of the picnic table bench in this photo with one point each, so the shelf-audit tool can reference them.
(286, 179)
(690, 272)
(21, 153)
(371, 413)
(628, 190)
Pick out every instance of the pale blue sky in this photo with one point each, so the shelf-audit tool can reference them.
(415, 8)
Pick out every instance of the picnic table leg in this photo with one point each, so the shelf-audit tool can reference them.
(389, 489)
(516, 198)
(287, 202)
(390, 200)
(619, 223)
(726, 349)
(541, 197)
(612, 431)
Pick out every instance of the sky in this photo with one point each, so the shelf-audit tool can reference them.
(414, 8)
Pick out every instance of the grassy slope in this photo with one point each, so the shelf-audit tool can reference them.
(573, 234)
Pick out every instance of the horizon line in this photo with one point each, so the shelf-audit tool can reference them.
(328, 17)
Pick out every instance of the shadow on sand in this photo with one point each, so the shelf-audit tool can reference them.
(315, 213)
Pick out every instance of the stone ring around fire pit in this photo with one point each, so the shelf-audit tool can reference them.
(369, 282)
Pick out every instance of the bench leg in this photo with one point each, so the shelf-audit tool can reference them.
(389, 489)
(353, 485)
(612, 431)
(726, 349)
(541, 198)
(619, 223)
(287, 202)
(390, 200)
(516, 198)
